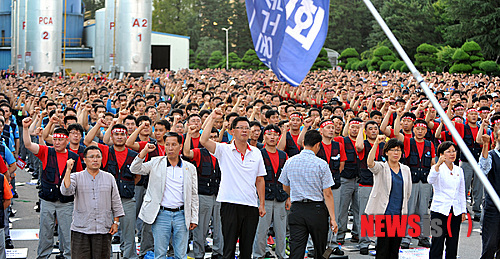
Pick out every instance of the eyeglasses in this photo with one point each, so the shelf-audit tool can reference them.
(242, 128)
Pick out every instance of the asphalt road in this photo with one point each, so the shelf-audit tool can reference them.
(27, 218)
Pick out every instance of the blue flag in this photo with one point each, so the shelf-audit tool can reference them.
(288, 34)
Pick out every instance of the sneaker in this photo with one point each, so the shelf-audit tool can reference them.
(208, 248)
(216, 256)
(60, 256)
(355, 239)
(310, 253)
(116, 240)
(477, 218)
(424, 243)
(9, 244)
(337, 251)
(363, 251)
(15, 195)
(269, 255)
(405, 246)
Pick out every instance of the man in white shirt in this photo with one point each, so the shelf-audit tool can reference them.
(242, 170)
(171, 202)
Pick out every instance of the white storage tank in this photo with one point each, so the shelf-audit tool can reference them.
(133, 33)
(109, 29)
(13, 30)
(43, 35)
(21, 34)
(99, 36)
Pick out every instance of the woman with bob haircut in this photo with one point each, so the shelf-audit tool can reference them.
(448, 183)
(393, 178)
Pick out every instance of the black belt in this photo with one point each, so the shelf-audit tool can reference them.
(305, 201)
(173, 210)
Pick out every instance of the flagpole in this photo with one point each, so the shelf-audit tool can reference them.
(435, 103)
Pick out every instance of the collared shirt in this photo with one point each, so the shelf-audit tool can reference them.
(449, 189)
(307, 175)
(173, 195)
(97, 202)
(239, 173)
(486, 163)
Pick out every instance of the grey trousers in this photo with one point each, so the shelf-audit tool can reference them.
(127, 225)
(276, 214)
(48, 213)
(3, 255)
(418, 204)
(6, 229)
(90, 246)
(138, 196)
(348, 198)
(477, 188)
(364, 195)
(147, 240)
(209, 208)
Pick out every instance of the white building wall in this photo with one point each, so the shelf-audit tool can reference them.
(179, 48)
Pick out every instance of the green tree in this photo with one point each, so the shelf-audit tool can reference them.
(91, 6)
(215, 59)
(462, 60)
(192, 59)
(215, 15)
(426, 59)
(322, 62)
(347, 56)
(201, 60)
(209, 46)
(240, 39)
(475, 56)
(251, 61)
(445, 58)
(411, 21)
(477, 20)
(383, 58)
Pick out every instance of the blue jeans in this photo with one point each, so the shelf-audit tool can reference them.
(166, 223)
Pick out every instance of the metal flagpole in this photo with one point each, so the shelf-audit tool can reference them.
(435, 103)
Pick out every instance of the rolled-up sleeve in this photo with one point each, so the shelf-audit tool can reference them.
(116, 202)
(377, 168)
(72, 187)
(485, 164)
(139, 167)
(283, 176)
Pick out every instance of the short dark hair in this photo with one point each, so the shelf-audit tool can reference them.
(273, 127)
(392, 143)
(87, 149)
(118, 126)
(141, 119)
(70, 117)
(165, 123)
(370, 122)
(312, 138)
(270, 113)
(238, 119)
(75, 126)
(445, 146)
(61, 131)
(173, 134)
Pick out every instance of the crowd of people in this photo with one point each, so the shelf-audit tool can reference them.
(241, 156)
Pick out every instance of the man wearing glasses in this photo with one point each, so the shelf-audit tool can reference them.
(242, 170)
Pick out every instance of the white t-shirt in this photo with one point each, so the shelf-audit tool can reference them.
(173, 195)
(238, 175)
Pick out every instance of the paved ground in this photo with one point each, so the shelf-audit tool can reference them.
(27, 218)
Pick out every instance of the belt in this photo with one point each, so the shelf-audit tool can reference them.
(172, 209)
(305, 201)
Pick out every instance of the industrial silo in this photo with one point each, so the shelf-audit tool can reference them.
(21, 34)
(73, 22)
(134, 36)
(5, 23)
(99, 38)
(13, 30)
(109, 35)
(43, 35)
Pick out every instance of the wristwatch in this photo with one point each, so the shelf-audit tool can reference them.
(117, 223)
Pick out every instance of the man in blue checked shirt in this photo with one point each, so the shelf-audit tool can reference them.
(307, 179)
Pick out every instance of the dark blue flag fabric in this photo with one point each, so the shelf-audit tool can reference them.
(288, 34)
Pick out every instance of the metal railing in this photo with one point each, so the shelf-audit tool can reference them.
(5, 41)
(73, 42)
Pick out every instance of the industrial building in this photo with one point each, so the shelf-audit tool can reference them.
(49, 36)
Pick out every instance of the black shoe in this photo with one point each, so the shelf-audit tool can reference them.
(310, 254)
(116, 240)
(363, 251)
(216, 256)
(34, 175)
(337, 251)
(8, 244)
(208, 248)
(269, 255)
(424, 243)
(477, 218)
(340, 241)
(15, 195)
(405, 246)
(60, 256)
(355, 239)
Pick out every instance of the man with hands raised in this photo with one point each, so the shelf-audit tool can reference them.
(242, 186)
(116, 160)
(52, 203)
(96, 195)
(171, 202)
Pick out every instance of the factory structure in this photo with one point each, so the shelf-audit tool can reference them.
(49, 36)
